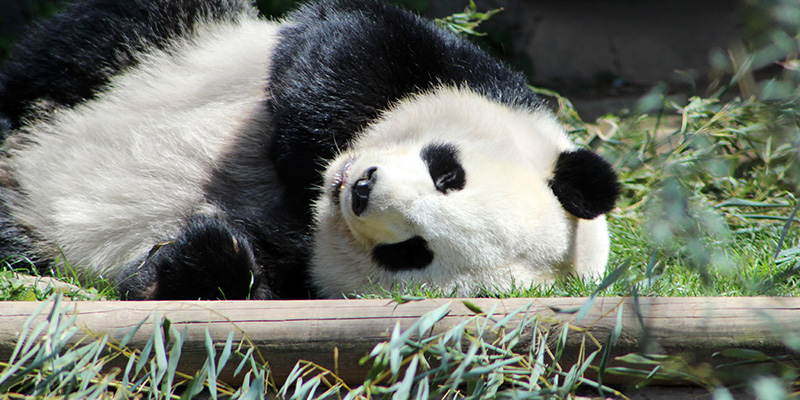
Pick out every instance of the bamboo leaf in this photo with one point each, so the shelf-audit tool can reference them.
(174, 357)
(160, 349)
(144, 356)
(614, 276)
(128, 336)
(749, 203)
(211, 375)
(248, 356)
(306, 389)
(423, 390)
(472, 307)
(294, 375)
(785, 230)
(226, 353)
(746, 354)
(403, 391)
(195, 386)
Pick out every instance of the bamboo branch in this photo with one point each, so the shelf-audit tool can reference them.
(287, 331)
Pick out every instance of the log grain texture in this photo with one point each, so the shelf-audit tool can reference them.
(287, 331)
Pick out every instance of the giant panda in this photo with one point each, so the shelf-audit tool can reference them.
(189, 149)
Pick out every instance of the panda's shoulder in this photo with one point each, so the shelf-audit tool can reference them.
(365, 26)
(391, 51)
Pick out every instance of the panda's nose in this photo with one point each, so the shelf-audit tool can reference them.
(362, 189)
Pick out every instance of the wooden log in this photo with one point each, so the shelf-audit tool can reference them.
(287, 331)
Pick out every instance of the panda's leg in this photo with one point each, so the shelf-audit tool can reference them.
(210, 259)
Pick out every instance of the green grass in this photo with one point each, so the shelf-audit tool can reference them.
(20, 281)
(710, 197)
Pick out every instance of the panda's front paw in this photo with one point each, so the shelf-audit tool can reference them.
(210, 259)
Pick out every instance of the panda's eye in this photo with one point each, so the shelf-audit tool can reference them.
(445, 168)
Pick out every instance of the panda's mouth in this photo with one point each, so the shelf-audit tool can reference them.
(340, 179)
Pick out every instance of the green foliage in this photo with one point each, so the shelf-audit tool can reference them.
(17, 283)
(711, 187)
(477, 358)
(710, 194)
(491, 355)
(49, 361)
(465, 23)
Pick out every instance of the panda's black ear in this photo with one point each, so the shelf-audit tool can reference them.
(584, 183)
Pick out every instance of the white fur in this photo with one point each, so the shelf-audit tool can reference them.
(504, 228)
(108, 179)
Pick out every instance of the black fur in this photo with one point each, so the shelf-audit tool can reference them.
(277, 229)
(445, 168)
(5, 124)
(585, 184)
(217, 259)
(16, 246)
(342, 62)
(189, 267)
(71, 58)
(409, 255)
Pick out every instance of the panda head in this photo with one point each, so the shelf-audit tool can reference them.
(457, 192)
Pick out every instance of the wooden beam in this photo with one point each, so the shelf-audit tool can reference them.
(287, 331)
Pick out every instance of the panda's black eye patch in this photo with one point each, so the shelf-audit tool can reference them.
(445, 168)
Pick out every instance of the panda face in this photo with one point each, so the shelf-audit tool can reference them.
(447, 189)
(374, 191)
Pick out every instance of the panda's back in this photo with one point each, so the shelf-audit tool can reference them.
(125, 168)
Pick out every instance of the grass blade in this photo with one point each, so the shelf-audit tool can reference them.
(785, 230)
